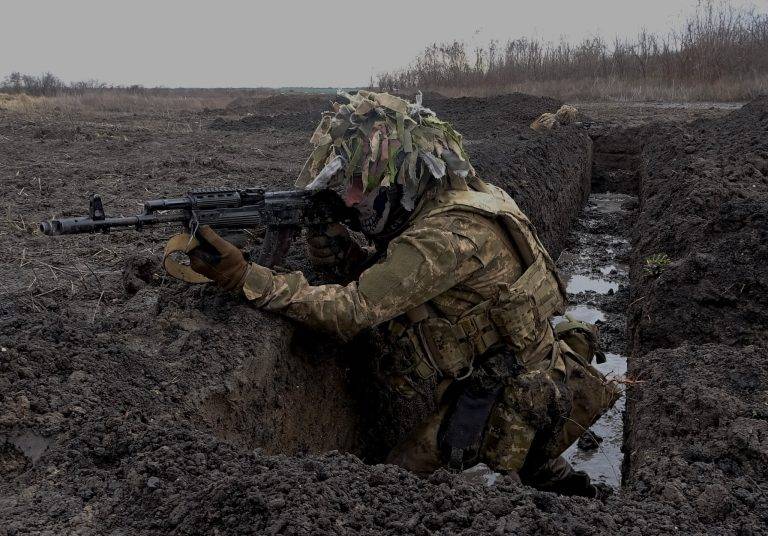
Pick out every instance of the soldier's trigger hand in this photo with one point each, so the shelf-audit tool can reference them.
(218, 260)
(328, 245)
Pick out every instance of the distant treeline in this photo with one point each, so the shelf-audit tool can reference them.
(718, 47)
(49, 85)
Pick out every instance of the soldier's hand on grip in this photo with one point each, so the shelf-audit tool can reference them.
(328, 246)
(218, 260)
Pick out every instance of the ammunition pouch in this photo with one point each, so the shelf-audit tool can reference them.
(435, 346)
(518, 318)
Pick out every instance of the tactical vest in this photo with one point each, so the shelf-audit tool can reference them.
(516, 317)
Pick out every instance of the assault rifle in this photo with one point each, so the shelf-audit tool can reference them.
(281, 214)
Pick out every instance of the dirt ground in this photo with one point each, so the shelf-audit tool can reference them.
(699, 326)
(132, 404)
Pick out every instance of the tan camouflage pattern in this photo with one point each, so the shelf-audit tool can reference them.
(508, 435)
(451, 260)
(565, 115)
(529, 404)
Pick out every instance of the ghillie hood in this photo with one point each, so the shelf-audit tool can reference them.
(378, 139)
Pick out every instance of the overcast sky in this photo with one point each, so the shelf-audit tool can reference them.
(230, 43)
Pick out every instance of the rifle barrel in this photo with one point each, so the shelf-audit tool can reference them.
(86, 224)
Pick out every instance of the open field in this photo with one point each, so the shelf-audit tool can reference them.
(134, 404)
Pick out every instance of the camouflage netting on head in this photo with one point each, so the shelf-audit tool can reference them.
(379, 139)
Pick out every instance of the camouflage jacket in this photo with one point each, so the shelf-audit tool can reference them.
(452, 260)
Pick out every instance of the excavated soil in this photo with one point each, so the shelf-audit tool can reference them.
(125, 395)
(132, 404)
(704, 203)
(698, 414)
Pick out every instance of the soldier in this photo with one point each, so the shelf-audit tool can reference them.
(458, 280)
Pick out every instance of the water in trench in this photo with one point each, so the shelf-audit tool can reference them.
(594, 266)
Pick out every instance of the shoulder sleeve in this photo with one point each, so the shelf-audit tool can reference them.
(422, 263)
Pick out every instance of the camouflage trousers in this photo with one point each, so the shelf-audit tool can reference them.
(520, 416)
(523, 432)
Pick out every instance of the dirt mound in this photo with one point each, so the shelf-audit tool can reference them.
(697, 414)
(299, 121)
(295, 102)
(140, 477)
(704, 203)
(282, 103)
(700, 419)
(493, 116)
(290, 111)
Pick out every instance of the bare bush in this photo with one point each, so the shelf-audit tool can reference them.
(44, 85)
(719, 53)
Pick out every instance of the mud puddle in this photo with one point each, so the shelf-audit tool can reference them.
(583, 283)
(596, 272)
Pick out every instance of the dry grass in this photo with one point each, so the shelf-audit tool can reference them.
(18, 103)
(624, 90)
(719, 54)
(116, 100)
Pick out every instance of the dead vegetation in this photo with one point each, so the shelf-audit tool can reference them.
(117, 100)
(46, 92)
(721, 53)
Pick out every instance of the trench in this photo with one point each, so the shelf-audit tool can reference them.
(595, 265)
(596, 269)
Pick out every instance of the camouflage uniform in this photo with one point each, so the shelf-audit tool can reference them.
(451, 260)
(465, 292)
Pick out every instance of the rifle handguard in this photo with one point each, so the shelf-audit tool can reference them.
(182, 243)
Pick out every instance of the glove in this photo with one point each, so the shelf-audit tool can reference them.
(328, 246)
(218, 260)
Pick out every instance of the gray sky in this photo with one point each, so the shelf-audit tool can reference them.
(232, 43)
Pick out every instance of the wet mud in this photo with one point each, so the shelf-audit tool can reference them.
(595, 266)
(131, 404)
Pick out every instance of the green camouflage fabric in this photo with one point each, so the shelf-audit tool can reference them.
(385, 140)
(528, 409)
(452, 260)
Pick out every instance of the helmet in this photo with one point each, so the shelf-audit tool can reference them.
(381, 149)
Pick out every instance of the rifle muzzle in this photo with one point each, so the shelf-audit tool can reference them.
(50, 228)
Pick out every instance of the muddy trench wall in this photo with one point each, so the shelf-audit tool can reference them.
(617, 158)
(697, 416)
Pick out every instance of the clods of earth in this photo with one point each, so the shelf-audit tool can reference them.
(133, 404)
